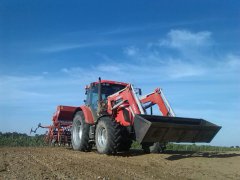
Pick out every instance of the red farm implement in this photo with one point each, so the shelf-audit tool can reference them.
(60, 131)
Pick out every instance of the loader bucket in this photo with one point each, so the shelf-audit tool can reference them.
(149, 128)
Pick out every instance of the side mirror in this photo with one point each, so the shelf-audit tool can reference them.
(138, 91)
(86, 89)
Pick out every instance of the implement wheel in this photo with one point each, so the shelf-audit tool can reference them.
(80, 133)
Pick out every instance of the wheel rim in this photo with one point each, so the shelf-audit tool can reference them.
(102, 137)
(77, 132)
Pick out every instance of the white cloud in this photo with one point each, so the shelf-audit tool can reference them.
(233, 61)
(65, 70)
(62, 47)
(20, 90)
(179, 69)
(75, 71)
(149, 62)
(59, 47)
(131, 51)
(194, 57)
(122, 30)
(183, 38)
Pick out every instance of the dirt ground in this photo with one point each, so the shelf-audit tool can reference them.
(64, 163)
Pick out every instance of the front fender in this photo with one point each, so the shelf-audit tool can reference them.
(87, 114)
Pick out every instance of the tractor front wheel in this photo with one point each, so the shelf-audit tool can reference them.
(108, 136)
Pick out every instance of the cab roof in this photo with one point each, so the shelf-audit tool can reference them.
(111, 82)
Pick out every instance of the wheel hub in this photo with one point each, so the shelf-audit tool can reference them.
(77, 132)
(102, 137)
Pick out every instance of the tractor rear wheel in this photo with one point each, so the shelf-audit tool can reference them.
(80, 133)
(108, 136)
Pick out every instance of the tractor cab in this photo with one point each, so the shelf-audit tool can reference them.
(105, 88)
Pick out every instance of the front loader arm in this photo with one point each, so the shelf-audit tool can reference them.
(123, 105)
(127, 95)
(157, 97)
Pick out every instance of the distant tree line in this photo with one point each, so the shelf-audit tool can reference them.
(200, 148)
(192, 147)
(15, 139)
(20, 139)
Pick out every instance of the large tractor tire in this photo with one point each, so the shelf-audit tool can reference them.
(80, 133)
(153, 148)
(108, 136)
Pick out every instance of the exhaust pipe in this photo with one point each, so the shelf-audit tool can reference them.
(99, 95)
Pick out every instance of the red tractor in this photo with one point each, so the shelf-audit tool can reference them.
(114, 115)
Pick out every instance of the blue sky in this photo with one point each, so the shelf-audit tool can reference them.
(49, 51)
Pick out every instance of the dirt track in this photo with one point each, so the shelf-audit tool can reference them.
(64, 163)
